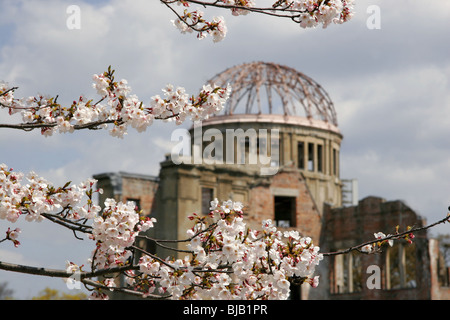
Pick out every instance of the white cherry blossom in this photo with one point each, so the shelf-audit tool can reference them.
(117, 107)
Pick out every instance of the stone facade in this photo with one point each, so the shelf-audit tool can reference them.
(405, 271)
(440, 272)
(398, 272)
(124, 186)
(305, 197)
(285, 167)
(183, 187)
(303, 176)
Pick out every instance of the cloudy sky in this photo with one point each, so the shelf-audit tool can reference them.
(390, 87)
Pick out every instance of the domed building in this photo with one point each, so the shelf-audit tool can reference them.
(276, 148)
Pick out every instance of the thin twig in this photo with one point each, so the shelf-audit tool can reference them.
(124, 290)
(267, 11)
(56, 273)
(393, 236)
(72, 225)
(6, 92)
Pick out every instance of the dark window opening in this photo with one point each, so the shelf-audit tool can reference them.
(247, 149)
(247, 144)
(285, 212)
(346, 274)
(401, 262)
(301, 155)
(334, 162)
(207, 197)
(310, 157)
(319, 158)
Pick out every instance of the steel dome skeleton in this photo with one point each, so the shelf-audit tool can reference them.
(284, 89)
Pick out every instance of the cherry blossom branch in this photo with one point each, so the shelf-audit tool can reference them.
(234, 6)
(306, 13)
(115, 107)
(154, 257)
(68, 223)
(8, 91)
(94, 125)
(374, 245)
(159, 243)
(183, 273)
(57, 273)
(295, 8)
(225, 258)
(124, 290)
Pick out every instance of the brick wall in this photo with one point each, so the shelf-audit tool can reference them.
(349, 226)
(287, 183)
(140, 189)
(440, 290)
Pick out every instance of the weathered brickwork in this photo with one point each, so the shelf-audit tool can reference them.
(304, 191)
(300, 198)
(406, 271)
(288, 183)
(125, 187)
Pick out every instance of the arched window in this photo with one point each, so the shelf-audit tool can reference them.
(401, 266)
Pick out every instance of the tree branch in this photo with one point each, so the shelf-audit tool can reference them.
(393, 237)
(124, 290)
(72, 225)
(30, 126)
(6, 92)
(271, 11)
(56, 273)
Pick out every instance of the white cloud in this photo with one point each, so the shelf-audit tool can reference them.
(46, 56)
(394, 130)
(15, 257)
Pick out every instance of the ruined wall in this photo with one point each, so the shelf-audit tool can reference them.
(287, 183)
(403, 269)
(123, 186)
(440, 273)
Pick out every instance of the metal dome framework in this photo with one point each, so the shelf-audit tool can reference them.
(269, 88)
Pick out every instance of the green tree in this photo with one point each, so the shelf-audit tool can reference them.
(53, 294)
